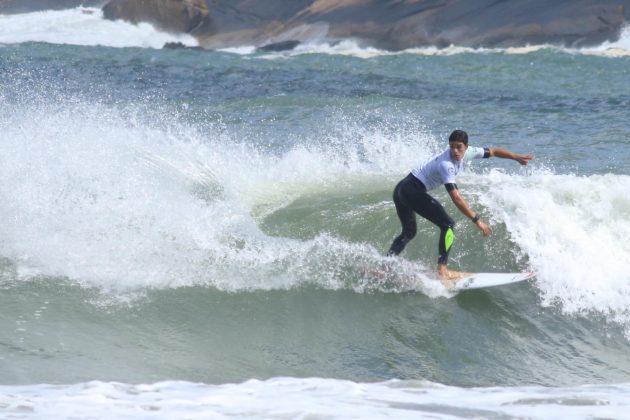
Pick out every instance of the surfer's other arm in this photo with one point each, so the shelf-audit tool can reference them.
(506, 154)
(462, 205)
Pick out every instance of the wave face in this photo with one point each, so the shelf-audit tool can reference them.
(217, 218)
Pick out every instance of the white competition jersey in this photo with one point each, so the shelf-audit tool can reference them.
(442, 169)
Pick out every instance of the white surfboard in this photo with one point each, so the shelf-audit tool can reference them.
(483, 280)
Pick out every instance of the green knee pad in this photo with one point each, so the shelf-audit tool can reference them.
(449, 238)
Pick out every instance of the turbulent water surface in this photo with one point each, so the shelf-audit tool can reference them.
(191, 234)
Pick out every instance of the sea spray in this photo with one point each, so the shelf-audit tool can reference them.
(112, 197)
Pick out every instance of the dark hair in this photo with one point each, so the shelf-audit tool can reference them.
(458, 135)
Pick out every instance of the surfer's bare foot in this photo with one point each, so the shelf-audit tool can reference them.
(445, 275)
(450, 275)
(449, 278)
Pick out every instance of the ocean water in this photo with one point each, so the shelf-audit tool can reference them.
(189, 234)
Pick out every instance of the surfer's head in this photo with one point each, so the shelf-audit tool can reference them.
(458, 144)
(459, 135)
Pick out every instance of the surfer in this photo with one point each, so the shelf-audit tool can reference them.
(411, 195)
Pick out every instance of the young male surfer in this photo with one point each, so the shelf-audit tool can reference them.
(410, 195)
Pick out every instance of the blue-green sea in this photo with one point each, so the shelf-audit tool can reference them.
(190, 234)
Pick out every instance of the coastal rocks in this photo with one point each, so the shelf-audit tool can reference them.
(480, 23)
(398, 25)
(507, 24)
(186, 16)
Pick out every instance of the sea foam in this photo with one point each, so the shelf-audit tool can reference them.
(311, 397)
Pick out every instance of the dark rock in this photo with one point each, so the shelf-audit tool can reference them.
(280, 46)
(179, 45)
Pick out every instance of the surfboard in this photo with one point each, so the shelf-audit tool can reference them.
(483, 280)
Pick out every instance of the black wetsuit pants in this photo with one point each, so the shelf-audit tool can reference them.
(410, 197)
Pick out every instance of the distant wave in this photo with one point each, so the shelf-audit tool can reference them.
(83, 26)
(355, 48)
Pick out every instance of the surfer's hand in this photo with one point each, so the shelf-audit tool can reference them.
(484, 228)
(523, 159)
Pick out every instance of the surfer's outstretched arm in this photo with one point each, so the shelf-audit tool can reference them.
(462, 205)
(506, 154)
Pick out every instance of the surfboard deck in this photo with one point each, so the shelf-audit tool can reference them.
(483, 280)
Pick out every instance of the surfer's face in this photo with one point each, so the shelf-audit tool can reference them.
(458, 149)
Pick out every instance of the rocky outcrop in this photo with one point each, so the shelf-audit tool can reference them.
(186, 16)
(401, 24)
(494, 23)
